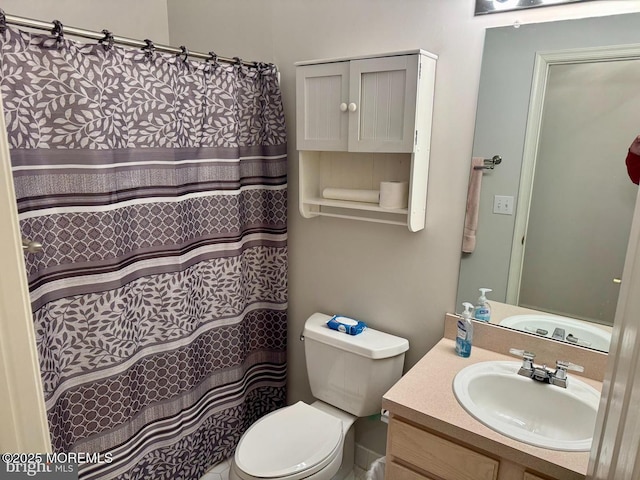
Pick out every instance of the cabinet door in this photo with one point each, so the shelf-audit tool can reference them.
(322, 95)
(531, 476)
(395, 471)
(382, 104)
(437, 456)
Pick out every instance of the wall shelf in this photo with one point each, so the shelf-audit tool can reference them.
(371, 207)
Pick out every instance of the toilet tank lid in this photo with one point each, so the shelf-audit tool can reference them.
(370, 343)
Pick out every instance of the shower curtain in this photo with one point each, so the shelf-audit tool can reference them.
(157, 186)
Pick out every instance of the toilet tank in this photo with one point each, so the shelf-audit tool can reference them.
(351, 372)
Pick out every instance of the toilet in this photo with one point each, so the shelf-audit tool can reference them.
(348, 375)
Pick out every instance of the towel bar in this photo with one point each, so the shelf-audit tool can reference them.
(490, 163)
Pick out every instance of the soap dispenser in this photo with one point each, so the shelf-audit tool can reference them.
(482, 311)
(464, 338)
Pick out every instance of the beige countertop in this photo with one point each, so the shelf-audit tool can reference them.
(424, 395)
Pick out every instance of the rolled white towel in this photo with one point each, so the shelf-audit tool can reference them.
(352, 194)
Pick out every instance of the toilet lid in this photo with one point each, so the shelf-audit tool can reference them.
(288, 441)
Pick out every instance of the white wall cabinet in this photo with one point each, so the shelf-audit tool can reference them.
(365, 105)
(361, 121)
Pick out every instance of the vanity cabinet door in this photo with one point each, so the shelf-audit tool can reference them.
(531, 476)
(434, 455)
(395, 471)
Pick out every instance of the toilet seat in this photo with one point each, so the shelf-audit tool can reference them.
(291, 443)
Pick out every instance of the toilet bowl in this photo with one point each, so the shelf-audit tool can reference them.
(301, 441)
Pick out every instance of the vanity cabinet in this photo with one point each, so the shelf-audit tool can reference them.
(428, 453)
(414, 453)
(361, 121)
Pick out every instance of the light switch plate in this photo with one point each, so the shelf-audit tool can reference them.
(503, 204)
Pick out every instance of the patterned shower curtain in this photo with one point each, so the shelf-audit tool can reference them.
(158, 189)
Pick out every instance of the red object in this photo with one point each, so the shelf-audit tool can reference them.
(633, 167)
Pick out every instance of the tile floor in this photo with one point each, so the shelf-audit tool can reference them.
(221, 472)
(358, 473)
(363, 459)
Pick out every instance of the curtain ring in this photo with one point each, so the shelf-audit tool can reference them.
(58, 31)
(3, 21)
(263, 67)
(183, 51)
(213, 57)
(238, 65)
(149, 49)
(108, 41)
(211, 63)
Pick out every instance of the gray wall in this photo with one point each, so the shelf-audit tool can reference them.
(503, 103)
(137, 19)
(395, 280)
(398, 281)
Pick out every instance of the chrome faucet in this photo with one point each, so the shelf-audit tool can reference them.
(556, 377)
(558, 334)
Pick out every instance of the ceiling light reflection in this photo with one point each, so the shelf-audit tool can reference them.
(496, 6)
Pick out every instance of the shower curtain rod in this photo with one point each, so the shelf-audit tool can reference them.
(130, 42)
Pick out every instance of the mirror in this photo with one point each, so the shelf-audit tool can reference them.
(535, 81)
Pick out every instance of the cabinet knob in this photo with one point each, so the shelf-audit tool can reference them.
(343, 107)
(352, 107)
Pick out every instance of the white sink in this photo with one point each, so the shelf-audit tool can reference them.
(533, 412)
(588, 335)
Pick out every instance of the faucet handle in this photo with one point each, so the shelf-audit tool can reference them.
(569, 366)
(562, 367)
(527, 359)
(522, 353)
(558, 333)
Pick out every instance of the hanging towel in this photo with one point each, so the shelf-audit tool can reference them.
(473, 201)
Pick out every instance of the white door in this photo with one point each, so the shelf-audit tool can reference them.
(23, 416)
(615, 454)
(322, 95)
(382, 104)
(583, 201)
